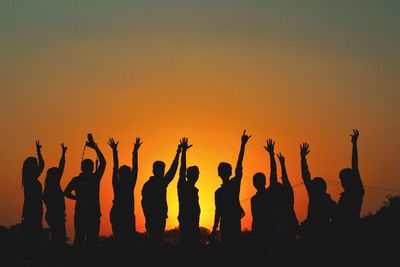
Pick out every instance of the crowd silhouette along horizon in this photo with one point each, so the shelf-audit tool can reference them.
(275, 226)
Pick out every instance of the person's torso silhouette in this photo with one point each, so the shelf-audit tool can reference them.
(87, 195)
(188, 196)
(154, 198)
(122, 215)
(53, 197)
(228, 211)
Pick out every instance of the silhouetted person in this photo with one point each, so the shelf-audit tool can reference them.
(286, 226)
(263, 201)
(321, 208)
(122, 215)
(274, 220)
(154, 198)
(350, 201)
(32, 212)
(228, 211)
(87, 207)
(55, 203)
(188, 195)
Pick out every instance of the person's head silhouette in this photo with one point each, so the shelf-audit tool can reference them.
(192, 175)
(124, 173)
(30, 169)
(87, 166)
(347, 178)
(259, 181)
(319, 185)
(51, 176)
(158, 168)
(224, 171)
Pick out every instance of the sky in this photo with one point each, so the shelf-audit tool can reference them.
(293, 71)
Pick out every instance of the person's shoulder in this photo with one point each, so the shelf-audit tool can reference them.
(218, 191)
(75, 179)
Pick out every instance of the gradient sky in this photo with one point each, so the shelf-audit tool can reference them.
(294, 71)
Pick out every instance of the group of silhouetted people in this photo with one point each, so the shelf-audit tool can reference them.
(274, 224)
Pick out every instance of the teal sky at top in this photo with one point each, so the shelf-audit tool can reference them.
(362, 28)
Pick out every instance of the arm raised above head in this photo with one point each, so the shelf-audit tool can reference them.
(61, 164)
(40, 157)
(273, 178)
(184, 143)
(174, 167)
(285, 179)
(239, 165)
(354, 159)
(305, 173)
(102, 166)
(135, 164)
(114, 146)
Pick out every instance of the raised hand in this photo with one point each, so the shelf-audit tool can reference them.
(38, 145)
(270, 146)
(245, 137)
(184, 143)
(113, 144)
(137, 144)
(304, 149)
(90, 143)
(64, 148)
(281, 158)
(354, 136)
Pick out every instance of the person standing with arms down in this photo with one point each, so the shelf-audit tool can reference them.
(154, 198)
(53, 197)
(228, 211)
(188, 195)
(122, 215)
(87, 195)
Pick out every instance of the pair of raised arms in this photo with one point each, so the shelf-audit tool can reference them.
(114, 144)
(305, 147)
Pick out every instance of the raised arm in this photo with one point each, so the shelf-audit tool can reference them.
(182, 172)
(102, 166)
(135, 160)
(354, 159)
(68, 190)
(305, 173)
(174, 167)
(285, 179)
(239, 165)
(40, 157)
(273, 177)
(61, 164)
(114, 147)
